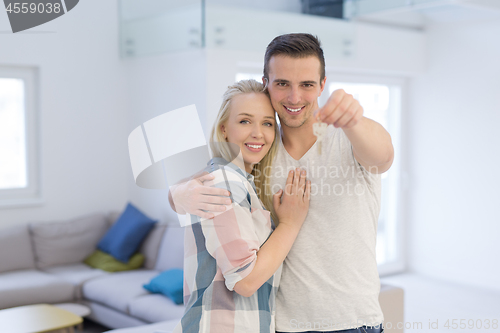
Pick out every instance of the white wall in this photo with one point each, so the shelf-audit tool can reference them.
(454, 142)
(385, 51)
(156, 85)
(82, 111)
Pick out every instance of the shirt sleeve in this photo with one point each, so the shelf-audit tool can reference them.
(231, 237)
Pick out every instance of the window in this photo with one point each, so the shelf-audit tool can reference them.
(381, 99)
(18, 137)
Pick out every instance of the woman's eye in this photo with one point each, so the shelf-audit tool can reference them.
(244, 122)
(268, 124)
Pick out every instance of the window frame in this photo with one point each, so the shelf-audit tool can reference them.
(32, 194)
(399, 166)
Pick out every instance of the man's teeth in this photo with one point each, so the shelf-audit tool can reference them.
(254, 146)
(293, 110)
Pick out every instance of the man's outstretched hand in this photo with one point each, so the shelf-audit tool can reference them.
(196, 198)
(371, 143)
(341, 110)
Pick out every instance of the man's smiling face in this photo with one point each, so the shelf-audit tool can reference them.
(294, 87)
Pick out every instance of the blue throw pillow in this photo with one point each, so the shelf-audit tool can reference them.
(125, 236)
(168, 283)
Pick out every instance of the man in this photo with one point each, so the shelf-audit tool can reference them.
(329, 280)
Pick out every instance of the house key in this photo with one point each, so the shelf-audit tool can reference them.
(319, 129)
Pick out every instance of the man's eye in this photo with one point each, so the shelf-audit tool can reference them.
(307, 85)
(281, 84)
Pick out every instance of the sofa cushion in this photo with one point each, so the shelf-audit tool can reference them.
(16, 251)
(67, 242)
(149, 247)
(110, 317)
(161, 327)
(154, 308)
(117, 290)
(171, 253)
(169, 283)
(24, 287)
(108, 263)
(123, 239)
(76, 274)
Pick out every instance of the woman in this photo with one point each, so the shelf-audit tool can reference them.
(232, 262)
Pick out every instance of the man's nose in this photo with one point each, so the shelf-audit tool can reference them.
(294, 96)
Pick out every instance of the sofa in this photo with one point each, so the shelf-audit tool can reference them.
(43, 263)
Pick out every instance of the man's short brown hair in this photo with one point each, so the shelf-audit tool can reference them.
(298, 45)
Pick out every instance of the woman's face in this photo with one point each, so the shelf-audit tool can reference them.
(251, 125)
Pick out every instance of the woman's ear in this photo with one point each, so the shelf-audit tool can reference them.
(223, 130)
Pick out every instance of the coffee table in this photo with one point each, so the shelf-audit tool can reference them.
(38, 318)
(79, 309)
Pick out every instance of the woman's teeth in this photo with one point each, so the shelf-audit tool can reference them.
(254, 146)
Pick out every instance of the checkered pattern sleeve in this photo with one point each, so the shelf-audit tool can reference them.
(220, 252)
(231, 237)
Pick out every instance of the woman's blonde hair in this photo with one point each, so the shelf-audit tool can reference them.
(262, 170)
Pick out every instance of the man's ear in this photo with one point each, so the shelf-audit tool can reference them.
(265, 82)
(322, 86)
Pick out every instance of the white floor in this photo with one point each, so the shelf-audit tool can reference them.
(429, 301)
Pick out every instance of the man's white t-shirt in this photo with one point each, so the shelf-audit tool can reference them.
(330, 279)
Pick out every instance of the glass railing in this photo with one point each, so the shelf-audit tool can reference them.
(150, 27)
(353, 8)
(153, 27)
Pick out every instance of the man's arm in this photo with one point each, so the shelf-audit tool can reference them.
(193, 197)
(173, 188)
(371, 143)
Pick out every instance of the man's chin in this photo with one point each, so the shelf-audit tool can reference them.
(293, 123)
(296, 123)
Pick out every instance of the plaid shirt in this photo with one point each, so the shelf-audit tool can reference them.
(221, 251)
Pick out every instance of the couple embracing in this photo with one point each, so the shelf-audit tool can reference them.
(279, 240)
